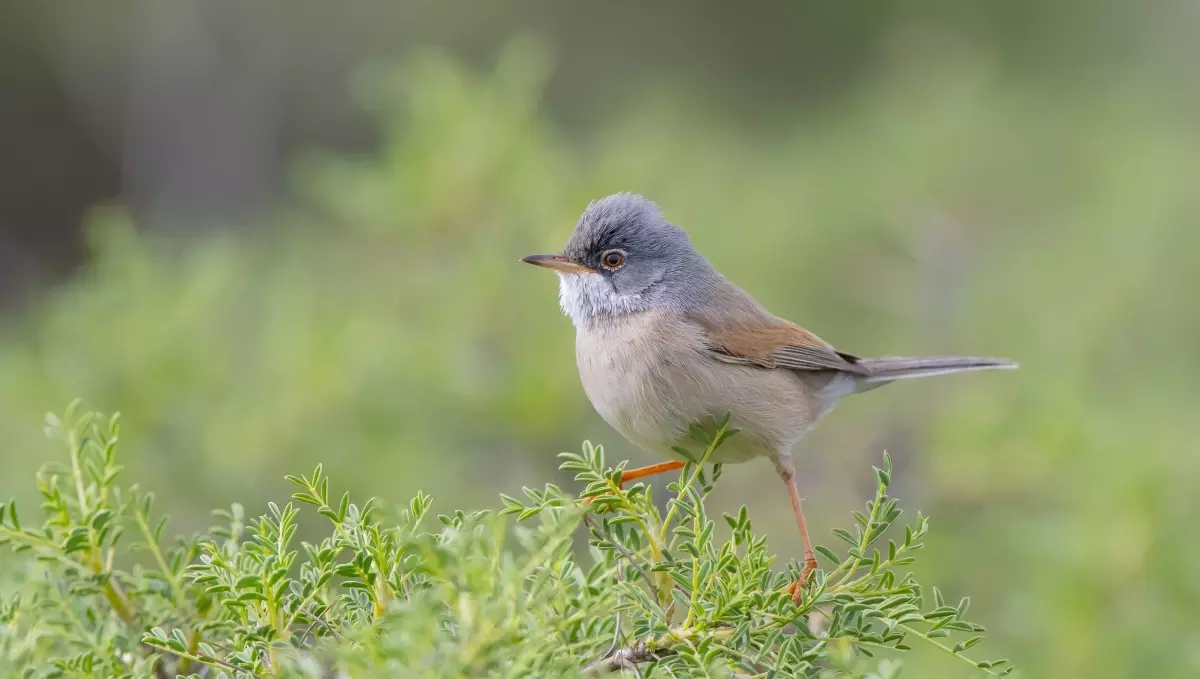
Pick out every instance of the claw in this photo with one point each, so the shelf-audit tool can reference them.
(796, 589)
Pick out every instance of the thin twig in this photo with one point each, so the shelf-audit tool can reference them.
(317, 620)
(616, 642)
(625, 659)
(206, 661)
(616, 633)
(620, 549)
(946, 649)
(307, 631)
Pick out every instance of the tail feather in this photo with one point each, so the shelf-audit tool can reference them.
(889, 368)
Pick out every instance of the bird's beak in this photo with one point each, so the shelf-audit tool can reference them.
(558, 263)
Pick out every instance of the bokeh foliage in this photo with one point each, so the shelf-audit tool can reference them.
(377, 321)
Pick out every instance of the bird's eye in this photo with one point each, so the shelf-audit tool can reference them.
(613, 259)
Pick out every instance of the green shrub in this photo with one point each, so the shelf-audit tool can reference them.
(655, 592)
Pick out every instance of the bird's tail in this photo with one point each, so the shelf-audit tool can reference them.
(889, 368)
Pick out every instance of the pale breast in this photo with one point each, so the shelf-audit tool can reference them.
(649, 376)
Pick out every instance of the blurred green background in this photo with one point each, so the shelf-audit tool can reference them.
(285, 233)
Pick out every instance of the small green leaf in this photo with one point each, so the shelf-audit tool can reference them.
(884, 478)
(827, 554)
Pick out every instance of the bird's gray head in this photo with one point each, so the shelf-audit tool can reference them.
(623, 258)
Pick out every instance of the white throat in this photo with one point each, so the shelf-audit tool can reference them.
(587, 297)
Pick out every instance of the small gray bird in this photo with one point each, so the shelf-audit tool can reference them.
(664, 341)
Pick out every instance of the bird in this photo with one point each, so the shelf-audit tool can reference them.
(663, 341)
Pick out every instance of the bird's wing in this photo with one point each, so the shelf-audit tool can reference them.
(776, 343)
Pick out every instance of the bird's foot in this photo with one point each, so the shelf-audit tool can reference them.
(795, 589)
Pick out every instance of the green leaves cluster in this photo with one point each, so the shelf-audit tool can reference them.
(659, 590)
(694, 602)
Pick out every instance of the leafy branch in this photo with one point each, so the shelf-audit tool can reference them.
(722, 603)
(658, 591)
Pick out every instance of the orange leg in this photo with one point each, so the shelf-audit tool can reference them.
(783, 466)
(648, 470)
(643, 472)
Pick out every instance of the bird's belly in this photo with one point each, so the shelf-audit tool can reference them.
(652, 386)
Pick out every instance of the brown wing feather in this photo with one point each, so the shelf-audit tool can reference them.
(779, 345)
